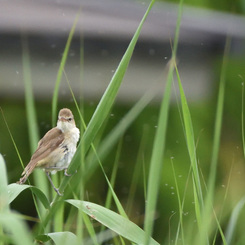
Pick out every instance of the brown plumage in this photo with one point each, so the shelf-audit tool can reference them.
(40, 158)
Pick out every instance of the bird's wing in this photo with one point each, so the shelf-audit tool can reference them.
(50, 141)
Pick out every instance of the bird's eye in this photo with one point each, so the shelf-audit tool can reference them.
(69, 119)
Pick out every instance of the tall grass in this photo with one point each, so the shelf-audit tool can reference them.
(63, 226)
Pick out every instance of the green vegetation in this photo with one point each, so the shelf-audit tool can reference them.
(172, 188)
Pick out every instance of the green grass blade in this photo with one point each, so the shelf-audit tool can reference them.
(112, 220)
(15, 189)
(190, 140)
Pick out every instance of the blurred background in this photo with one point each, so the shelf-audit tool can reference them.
(103, 32)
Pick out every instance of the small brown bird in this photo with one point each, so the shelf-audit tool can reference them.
(56, 149)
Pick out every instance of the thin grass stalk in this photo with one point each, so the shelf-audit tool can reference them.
(60, 71)
(80, 220)
(90, 228)
(12, 139)
(114, 174)
(181, 225)
(86, 223)
(117, 202)
(137, 172)
(113, 177)
(117, 132)
(218, 122)
(4, 207)
(242, 121)
(29, 98)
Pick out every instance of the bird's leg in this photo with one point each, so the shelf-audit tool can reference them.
(68, 175)
(50, 180)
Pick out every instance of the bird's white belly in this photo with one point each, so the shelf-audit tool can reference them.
(69, 145)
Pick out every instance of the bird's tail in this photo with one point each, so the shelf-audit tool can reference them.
(27, 171)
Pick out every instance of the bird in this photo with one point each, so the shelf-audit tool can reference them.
(56, 149)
